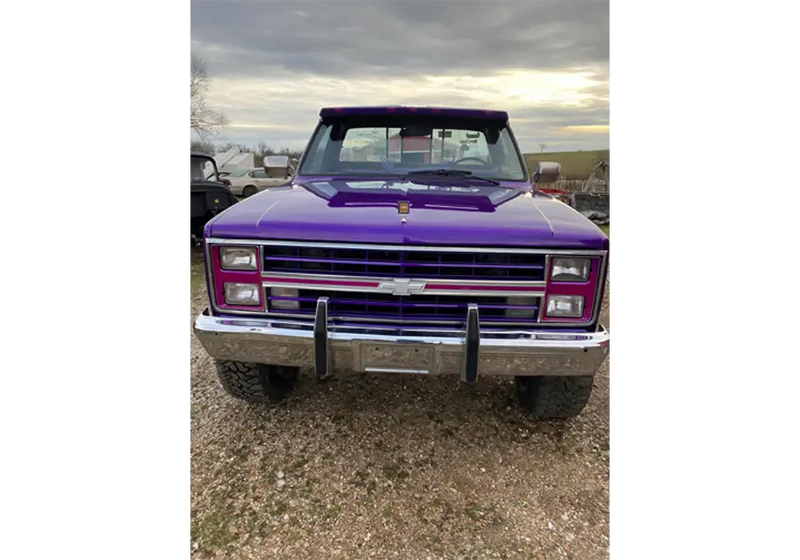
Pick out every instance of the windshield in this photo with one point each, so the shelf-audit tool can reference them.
(374, 146)
(202, 169)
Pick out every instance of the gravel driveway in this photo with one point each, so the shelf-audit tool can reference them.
(382, 466)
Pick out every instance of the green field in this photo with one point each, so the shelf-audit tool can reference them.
(574, 165)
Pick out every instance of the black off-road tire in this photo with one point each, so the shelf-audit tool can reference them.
(256, 383)
(554, 397)
(249, 191)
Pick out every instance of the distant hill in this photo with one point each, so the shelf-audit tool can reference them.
(574, 165)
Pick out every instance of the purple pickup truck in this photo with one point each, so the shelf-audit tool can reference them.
(410, 240)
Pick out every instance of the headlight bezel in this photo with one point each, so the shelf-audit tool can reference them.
(250, 266)
(566, 265)
(228, 287)
(556, 313)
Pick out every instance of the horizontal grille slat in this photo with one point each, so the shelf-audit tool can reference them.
(389, 263)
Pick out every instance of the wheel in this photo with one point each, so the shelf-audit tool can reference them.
(249, 190)
(550, 397)
(256, 382)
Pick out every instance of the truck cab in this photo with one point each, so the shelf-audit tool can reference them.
(410, 240)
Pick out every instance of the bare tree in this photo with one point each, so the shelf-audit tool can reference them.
(203, 146)
(204, 120)
(543, 147)
(260, 151)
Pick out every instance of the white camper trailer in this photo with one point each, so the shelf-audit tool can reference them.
(237, 161)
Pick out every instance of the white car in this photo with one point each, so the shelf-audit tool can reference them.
(247, 182)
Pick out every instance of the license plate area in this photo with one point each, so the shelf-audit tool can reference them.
(397, 358)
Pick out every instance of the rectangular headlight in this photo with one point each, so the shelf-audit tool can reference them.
(242, 294)
(283, 303)
(565, 306)
(521, 313)
(238, 258)
(570, 269)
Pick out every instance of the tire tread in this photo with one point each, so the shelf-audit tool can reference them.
(554, 397)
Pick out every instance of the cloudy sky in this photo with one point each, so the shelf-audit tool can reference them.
(274, 64)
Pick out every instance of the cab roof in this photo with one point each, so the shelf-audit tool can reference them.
(405, 110)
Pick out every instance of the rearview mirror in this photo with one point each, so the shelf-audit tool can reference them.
(547, 172)
(415, 130)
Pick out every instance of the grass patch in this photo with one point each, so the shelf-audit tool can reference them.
(279, 509)
(390, 515)
(298, 464)
(332, 512)
(395, 472)
(574, 165)
(211, 532)
(198, 273)
(483, 515)
(605, 229)
(359, 479)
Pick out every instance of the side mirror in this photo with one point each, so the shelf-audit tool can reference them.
(546, 172)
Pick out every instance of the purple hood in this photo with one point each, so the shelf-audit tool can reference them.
(361, 210)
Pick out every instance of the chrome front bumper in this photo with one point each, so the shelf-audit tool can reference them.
(466, 352)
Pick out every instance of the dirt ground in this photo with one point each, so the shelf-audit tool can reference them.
(394, 467)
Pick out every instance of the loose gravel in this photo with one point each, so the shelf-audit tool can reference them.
(394, 467)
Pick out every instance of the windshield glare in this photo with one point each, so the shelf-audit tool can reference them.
(369, 148)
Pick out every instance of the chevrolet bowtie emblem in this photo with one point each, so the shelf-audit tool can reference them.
(403, 206)
(402, 286)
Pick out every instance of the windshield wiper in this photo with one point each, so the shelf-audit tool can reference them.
(452, 173)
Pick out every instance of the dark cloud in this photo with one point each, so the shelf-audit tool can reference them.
(274, 64)
(243, 39)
